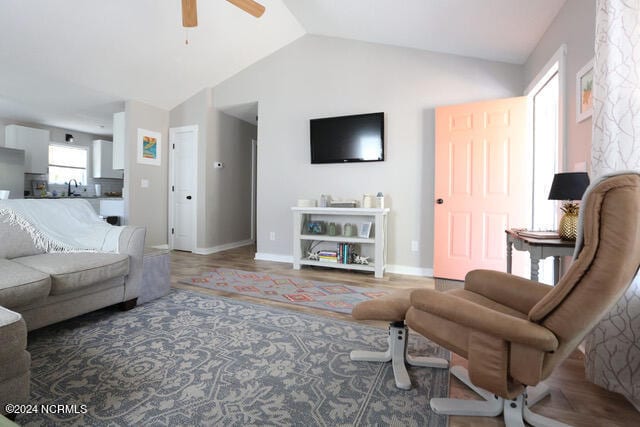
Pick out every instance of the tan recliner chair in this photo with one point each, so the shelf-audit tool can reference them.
(514, 331)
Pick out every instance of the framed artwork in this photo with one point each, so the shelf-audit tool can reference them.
(584, 87)
(149, 147)
(365, 230)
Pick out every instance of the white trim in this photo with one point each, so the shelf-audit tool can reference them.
(545, 72)
(170, 218)
(220, 248)
(410, 271)
(559, 57)
(262, 256)
(165, 246)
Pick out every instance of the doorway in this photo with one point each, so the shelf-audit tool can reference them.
(254, 187)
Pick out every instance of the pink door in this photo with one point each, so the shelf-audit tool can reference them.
(482, 184)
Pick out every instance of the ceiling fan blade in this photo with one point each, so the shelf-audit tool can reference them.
(249, 6)
(189, 13)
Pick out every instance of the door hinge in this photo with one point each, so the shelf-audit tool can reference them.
(172, 231)
(174, 146)
(173, 188)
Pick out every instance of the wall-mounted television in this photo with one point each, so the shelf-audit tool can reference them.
(358, 138)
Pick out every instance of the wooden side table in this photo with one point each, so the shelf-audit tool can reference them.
(539, 249)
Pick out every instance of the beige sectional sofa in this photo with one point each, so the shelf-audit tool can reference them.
(38, 289)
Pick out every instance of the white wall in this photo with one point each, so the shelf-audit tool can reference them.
(319, 76)
(574, 26)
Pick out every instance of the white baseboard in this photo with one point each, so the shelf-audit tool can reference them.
(262, 256)
(220, 248)
(165, 246)
(411, 271)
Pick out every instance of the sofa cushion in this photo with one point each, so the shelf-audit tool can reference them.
(21, 285)
(15, 241)
(73, 271)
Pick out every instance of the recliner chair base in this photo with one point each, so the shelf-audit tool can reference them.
(515, 411)
(397, 355)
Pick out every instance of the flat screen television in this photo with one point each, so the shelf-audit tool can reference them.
(358, 138)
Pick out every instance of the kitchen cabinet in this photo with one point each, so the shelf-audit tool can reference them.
(118, 141)
(34, 142)
(103, 160)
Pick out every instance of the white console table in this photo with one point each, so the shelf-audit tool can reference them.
(375, 244)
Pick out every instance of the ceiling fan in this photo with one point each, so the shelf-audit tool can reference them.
(190, 13)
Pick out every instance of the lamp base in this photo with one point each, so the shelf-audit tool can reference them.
(568, 228)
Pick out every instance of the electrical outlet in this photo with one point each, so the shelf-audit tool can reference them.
(415, 246)
(272, 235)
(144, 183)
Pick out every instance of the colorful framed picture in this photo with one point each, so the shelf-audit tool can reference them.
(149, 147)
(584, 91)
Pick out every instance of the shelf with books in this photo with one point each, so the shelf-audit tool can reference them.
(365, 237)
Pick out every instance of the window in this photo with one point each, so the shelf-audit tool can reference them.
(67, 163)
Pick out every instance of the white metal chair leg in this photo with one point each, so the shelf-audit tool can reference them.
(515, 411)
(536, 394)
(397, 354)
(470, 408)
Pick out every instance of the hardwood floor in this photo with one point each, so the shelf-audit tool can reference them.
(573, 399)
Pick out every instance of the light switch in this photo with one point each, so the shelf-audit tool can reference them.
(144, 183)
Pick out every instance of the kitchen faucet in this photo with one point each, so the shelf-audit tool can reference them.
(69, 193)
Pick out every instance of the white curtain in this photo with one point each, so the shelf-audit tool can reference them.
(613, 347)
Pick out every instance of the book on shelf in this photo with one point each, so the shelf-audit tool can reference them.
(541, 234)
(345, 253)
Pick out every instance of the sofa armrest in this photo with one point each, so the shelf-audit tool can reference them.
(132, 243)
(483, 319)
(513, 291)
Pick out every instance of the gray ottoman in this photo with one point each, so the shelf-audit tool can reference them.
(15, 361)
(155, 275)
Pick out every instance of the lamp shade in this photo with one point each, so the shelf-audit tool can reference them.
(569, 186)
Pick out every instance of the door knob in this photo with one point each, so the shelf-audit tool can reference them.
(439, 201)
(188, 197)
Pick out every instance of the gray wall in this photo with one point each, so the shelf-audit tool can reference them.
(224, 201)
(319, 76)
(228, 212)
(574, 26)
(146, 206)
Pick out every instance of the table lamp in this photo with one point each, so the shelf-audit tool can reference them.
(569, 186)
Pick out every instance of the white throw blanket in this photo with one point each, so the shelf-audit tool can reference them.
(61, 225)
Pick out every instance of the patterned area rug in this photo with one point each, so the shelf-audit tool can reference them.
(329, 296)
(194, 359)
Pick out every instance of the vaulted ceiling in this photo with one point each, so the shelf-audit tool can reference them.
(72, 63)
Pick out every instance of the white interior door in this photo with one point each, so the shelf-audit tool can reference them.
(183, 143)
